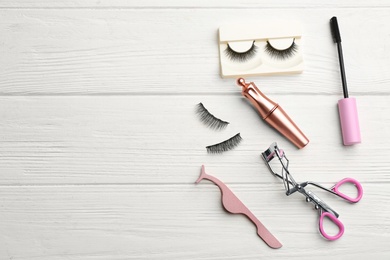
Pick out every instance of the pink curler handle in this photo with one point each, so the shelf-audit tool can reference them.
(335, 221)
(358, 186)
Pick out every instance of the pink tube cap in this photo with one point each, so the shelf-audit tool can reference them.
(349, 121)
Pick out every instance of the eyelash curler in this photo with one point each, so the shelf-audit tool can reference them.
(291, 186)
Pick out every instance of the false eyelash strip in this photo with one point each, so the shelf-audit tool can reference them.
(281, 54)
(240, 56)
(209, 119)
(224, 146)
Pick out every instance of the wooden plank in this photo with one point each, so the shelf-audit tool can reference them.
(84, 52)
(178, 222)
(160, 139)
(189, 4)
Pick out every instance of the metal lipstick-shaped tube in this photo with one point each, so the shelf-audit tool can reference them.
(273, 114)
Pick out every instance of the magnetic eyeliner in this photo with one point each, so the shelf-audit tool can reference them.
(347, 106)
(272, 113)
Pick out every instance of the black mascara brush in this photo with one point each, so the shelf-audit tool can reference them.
(337, 39)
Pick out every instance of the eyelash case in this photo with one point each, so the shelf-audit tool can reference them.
(253, 49)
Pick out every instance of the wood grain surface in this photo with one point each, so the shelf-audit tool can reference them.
(100, 144)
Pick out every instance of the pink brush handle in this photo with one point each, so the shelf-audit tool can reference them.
(349, 121)
(336, 221)
(233, 205)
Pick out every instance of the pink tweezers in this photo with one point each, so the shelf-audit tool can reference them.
(233, 205)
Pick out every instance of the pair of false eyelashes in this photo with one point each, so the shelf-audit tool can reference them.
(269, 49)
(217, 124)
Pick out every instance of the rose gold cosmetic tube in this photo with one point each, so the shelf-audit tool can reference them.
(273, 114)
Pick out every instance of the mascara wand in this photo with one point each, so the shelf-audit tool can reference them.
(337, 40)
(347, 106)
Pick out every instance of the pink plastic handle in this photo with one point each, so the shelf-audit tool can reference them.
(234, 205)
(336, 221)
(359, 188)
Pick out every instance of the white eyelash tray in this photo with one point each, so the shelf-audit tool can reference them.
(253, 49)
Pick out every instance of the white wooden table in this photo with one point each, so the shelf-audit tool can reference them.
(100, 144)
